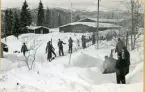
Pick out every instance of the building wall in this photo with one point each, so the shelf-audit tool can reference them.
(74, 28)
(39, 31)
(82, 28)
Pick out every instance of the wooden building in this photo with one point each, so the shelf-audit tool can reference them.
(37, 29)
(82, 27)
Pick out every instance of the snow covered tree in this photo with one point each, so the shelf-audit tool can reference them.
(26, 18)
(134, 8)
(16, 27)
(40, 17)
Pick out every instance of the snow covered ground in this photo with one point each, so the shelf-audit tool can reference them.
(83, 73)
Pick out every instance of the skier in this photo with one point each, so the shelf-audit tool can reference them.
(70, 41)
(119, 47)
(60, 45)
(24, 49)
(93, 39)
(50, 50)
(120, 70)
(126, 57)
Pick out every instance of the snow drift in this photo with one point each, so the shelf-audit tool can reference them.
(6, 64)
(84, 60)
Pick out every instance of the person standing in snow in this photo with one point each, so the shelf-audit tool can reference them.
(93, 39)
(82, 38)
(120, 70)
(119, 47)
(49, 51)
(84, 42)
(70, 41)
(126, 57)
(60, 46)
(24, 49)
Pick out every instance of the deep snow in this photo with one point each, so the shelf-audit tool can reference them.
(82, 74)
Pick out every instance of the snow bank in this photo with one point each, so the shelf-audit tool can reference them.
(84, 60)
(11, 57)
(109, 65)
(136, 76)
(95, 76)
(6, 64)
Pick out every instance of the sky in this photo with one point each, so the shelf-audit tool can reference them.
(91, 5)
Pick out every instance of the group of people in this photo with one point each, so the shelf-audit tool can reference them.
(50, 49)
(123, 62)
(85, 40)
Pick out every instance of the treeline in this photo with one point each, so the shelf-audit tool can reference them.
(15, 20)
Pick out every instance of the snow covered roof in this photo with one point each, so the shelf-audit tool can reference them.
(102, 20)
(92, 24)
(35, 27)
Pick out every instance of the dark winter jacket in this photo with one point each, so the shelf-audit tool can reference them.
(24, 48)
(126, 57)
(120, 66)
(93, 38)
(70, 42)
(60, 44)
(49, 48)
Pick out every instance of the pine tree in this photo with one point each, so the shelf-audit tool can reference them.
(11, 20)
(47, 18)
(59, 20)
(16, 28)
(26, 18)
(40, 17)
(6, 21)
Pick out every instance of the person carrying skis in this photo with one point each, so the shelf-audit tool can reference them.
(119, 47)
(49, 51)
(24, 49)
(70, 41)
(120, 70)
(126, 58)
(60, 46)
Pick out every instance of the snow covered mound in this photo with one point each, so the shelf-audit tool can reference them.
(109, 65)
(6, 64)
(84, 60)
(136, 76)
(94, 75)
(11, 57)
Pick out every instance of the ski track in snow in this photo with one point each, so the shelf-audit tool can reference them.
(83, 75)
